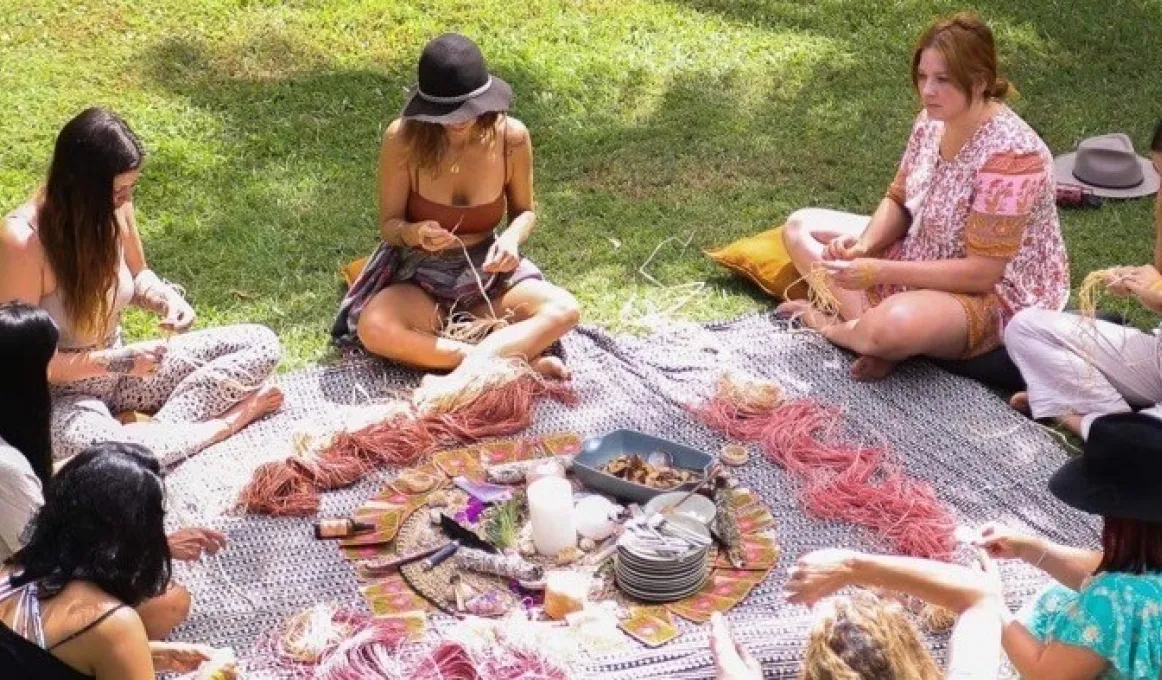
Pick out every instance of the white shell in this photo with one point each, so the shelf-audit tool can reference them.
(593, 516)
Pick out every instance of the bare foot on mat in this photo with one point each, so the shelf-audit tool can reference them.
(266, 399)
(1020, 403)
(551, 367)
(806, 314)
(871, 369)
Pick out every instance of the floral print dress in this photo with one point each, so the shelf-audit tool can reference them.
(994, 199)
(1118, 616)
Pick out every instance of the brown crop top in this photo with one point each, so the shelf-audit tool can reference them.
(472, 219)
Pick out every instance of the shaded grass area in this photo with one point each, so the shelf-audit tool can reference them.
(698, 119)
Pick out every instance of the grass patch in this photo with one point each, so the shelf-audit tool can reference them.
(650, 119)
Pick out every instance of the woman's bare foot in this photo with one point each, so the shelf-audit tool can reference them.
(1020, 403)
(1071, 422)
(806, 314)
(551, 367)
(871, 369)
(266, 399)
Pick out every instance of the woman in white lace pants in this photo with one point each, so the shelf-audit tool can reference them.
(200, 377)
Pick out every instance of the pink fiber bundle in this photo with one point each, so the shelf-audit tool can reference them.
(498, 412)
(278, 489)
(291, 487)
(840, 481)
(381, 649)
(372, 651)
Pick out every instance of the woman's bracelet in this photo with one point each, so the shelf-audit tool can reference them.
(1044, 553)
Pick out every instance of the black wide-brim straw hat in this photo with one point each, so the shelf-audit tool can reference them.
(454, 85)
(1119, 474)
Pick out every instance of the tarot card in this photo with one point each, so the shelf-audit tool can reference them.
(760, 558)
(699, 606)
(387, 585)
(412, 625)
(760, 552)
(750, 576)
(364, 552)
(651, 631)
(460, 463)
(392, 601)
(754, 518)
(562, 444)
(392, 496)
(743, 499)
(414, 481)
(499, 452)
(723, 585)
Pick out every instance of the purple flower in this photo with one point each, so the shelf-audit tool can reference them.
(529, 598)
(471, 512)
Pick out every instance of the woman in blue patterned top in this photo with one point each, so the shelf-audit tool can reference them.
(1103, 617)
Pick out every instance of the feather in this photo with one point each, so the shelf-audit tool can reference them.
(468, 538)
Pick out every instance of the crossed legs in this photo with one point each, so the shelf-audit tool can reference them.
(402, 322)
(914, 323)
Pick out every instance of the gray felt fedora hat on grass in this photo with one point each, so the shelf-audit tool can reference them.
(1108, 166)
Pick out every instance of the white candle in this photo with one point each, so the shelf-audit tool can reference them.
(551, 512)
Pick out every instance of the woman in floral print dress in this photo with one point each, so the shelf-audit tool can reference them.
(967, 235)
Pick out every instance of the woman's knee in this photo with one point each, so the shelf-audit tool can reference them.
(265, 344)
(381, 335)
(1029, 324)
(166, 611)
(562, 310)
(798, 228)
(891, 333)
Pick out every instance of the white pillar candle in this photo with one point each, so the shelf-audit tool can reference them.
(551, 512)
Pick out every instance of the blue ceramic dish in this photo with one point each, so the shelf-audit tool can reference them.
(597, 451)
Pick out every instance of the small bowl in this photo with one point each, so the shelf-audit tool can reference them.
(597, 451)
(697, 507)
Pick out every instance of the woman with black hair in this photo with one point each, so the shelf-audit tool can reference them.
(74, 251)
(1078, 370)
(28, 340)
(27, 344)
(96, 550)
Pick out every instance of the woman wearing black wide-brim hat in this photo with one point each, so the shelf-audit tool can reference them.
(1079, 369)
(1102, 618)
(451, 168)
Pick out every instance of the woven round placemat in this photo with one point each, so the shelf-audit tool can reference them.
(436, 585)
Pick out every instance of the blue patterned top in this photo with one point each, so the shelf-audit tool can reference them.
(1116, 615)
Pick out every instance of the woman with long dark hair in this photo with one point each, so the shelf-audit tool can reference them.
(74, 251)
(28, 340)
(96, 549)
(451, 168)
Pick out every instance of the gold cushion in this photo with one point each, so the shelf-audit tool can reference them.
(352, 270)
(763, 259)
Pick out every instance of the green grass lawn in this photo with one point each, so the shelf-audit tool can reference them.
(650, 119)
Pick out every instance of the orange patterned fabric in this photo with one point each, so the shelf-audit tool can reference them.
(984, 314)
(898, 190)
(1007, 188)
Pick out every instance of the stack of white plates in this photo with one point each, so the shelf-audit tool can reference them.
(665, 562)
